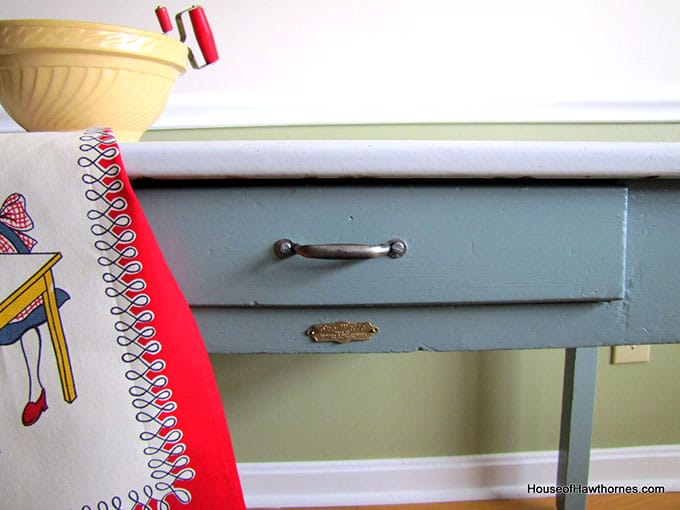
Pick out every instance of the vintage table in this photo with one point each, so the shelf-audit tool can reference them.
(461, 246)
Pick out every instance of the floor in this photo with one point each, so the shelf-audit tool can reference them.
(669, 501)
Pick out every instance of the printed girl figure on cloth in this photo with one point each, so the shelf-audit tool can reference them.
(25, 326)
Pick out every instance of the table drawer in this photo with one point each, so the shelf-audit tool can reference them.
(471, 244)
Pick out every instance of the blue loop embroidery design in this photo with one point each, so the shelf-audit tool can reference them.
(168, 461)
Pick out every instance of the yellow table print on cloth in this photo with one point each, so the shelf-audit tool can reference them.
(28, 299)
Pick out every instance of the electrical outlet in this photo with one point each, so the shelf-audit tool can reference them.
(630, 354)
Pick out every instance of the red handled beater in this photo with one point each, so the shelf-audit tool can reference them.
(202, 31)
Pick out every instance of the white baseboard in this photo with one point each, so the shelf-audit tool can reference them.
(444, 479)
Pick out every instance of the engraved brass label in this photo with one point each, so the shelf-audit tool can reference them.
(342, 332)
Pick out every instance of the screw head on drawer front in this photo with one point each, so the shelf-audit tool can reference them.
(398, 248)
(284, 248)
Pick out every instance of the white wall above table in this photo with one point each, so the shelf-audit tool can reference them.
(292, 62)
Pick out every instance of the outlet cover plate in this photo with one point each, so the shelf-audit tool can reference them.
(630, 354)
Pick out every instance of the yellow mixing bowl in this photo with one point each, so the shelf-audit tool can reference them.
(58, 75)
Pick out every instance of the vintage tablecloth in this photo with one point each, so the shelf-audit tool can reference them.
(107, 396)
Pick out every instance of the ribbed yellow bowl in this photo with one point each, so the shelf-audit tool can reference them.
(58, 75)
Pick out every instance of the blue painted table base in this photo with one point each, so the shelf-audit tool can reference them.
(519, 265)
(578, 397)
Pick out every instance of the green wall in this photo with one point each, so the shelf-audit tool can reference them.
(661, 132)
(330, 407)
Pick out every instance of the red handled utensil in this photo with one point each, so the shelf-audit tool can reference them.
(202, 31)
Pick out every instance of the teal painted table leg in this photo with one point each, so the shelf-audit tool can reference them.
(578, 397)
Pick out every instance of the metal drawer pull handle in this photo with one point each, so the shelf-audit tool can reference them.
(395, 248)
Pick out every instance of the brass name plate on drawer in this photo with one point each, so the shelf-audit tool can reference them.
(342, 332)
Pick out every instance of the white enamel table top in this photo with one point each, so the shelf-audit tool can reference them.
(401, 159)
